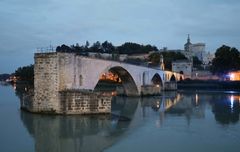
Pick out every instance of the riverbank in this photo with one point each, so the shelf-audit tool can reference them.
(209, 85)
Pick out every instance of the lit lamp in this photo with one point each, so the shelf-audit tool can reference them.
(232, 76)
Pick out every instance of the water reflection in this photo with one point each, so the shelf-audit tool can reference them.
(226, 109)
(80, 133)
(96, 133)
(91, 133)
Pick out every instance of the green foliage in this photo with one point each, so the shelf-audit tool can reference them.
(136, 61)
(197, 63)
(107, 47)
(226, 59)
(25, 73)
(154, 58)
(134, 48)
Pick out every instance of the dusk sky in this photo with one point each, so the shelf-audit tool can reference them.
(28, 24)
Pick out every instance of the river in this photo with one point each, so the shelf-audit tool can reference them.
(176, 121)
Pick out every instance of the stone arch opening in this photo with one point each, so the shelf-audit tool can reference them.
(80, 80)
(181, 76)
(157, 80)
(144, 77)
(122, 81)
(173, 78)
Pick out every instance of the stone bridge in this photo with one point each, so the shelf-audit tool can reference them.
(55, 72)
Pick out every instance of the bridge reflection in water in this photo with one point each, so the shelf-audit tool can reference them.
(97, 132)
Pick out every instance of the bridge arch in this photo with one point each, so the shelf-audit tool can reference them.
(157, 80)
(173, 78)
(127, 80)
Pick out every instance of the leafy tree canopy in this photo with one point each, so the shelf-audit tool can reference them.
(226, 59)
(197, 63)
(107, 47)
(134, 48)
(154, 58)
(25, 73)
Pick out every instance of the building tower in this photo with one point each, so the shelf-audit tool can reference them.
(188, 44)
(162, 66)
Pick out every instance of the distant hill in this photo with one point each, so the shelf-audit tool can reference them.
(4, 77)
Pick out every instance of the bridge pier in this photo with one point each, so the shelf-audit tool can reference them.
(170, 86)
(150, 90)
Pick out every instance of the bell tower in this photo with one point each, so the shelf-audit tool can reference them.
(188, 44)
(162, 66)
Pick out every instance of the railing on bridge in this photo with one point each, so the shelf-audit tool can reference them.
(48, 49)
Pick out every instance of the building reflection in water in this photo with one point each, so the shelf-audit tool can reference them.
(95, 133)
(192, 105)
(159, 104)
(226, 109)
(55, 133)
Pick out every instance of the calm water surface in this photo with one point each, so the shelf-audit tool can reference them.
(176, 121)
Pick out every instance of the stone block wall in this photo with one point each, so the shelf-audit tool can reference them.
(148, 90)
(46, 82)
(55, 74)
(170, 86)
(84, 102)
(67, 71)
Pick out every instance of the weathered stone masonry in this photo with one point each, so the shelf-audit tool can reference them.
(46, 83)
(80, 102)
(53, 79)
(59, 77)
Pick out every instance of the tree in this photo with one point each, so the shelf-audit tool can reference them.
(197, 63)
(107, 47)
(136, 61)
(154, 58)
(226, 59)
(134, 48)
(87, 45)
(96, 47)
(25, 73)
(64, 48)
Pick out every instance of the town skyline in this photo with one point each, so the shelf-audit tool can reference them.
(28, 25)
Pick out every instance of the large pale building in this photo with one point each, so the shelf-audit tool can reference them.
(197, 49)
(184, 67)
(207, 58)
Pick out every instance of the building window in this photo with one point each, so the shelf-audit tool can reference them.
(144, 78)
(80, 80)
